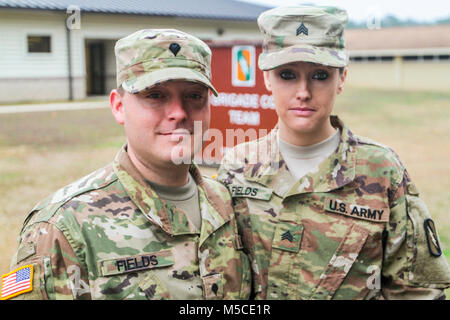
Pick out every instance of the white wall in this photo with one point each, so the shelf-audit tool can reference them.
(43, 76)
(15, 61)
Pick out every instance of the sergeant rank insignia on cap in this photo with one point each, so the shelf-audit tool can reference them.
(302, 29)
(16, 282)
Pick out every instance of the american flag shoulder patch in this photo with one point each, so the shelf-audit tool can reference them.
(17, 282)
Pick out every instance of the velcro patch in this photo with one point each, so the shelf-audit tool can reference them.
(356, 211)
(261, 193)
(25, 250)
(17, 282)
(121, 265)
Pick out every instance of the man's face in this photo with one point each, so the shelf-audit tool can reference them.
(159, 122)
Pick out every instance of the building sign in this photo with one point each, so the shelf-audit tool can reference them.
(243, 110)
(243, 66)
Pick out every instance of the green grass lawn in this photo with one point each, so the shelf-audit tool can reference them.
(43, 151)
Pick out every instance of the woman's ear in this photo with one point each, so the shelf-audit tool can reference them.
(342, 78)
(116, 103)
(267, 81)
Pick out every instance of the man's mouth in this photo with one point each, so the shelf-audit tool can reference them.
(175, 132)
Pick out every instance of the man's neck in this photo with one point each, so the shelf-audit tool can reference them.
(171, 175)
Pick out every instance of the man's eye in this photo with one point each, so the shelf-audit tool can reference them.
(320, 75)
(154, 95)
(195, 96)
(287, 75)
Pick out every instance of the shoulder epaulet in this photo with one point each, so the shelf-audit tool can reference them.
(364, 140)
(386, 152)
(45, 209)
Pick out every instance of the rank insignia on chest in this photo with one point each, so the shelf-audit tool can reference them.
(302, 29)
(287, 236)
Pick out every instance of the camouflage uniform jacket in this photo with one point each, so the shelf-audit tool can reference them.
(352, 229)
(109, 236)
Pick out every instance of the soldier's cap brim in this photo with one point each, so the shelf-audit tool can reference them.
(149, 79)
(303, 53)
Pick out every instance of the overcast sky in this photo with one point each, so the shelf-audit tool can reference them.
(420, 10)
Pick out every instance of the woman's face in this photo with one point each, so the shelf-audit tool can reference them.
(304, 95)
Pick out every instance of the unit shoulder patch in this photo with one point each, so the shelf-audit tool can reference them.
(432, 240)
(16, 282)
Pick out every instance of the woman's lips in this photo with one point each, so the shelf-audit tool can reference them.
(302, 112)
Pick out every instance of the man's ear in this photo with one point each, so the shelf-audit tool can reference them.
(117, 108)
(267, 81)
(342, 78)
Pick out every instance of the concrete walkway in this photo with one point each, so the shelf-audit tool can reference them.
(41, 107)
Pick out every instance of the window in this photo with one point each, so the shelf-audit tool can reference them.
(39, 44)
(387, 58)
(410, 58)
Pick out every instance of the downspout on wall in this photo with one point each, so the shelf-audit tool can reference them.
(69, 59)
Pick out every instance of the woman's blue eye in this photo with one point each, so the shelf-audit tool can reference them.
(287, 75)
(320, 75)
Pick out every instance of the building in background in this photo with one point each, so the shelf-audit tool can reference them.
(410, 58)
(64, 49)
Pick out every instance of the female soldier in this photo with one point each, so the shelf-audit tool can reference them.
(324, 213)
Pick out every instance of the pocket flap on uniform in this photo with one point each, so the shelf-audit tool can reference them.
(120, 265)
(213, 286)
(287, 236)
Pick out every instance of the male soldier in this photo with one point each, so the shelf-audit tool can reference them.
(326, 214)
(142, 227)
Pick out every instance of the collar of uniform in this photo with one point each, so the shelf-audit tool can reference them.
(214, 211)
(334, 172)
(170, 219)
(266, 166)
(146, 199)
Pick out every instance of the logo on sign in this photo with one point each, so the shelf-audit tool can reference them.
(243, 65)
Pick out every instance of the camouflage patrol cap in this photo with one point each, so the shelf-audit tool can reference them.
(303, 33)
(152, 56)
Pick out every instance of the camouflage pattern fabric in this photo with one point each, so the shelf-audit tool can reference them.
(303, 33)
(150, 56)
(109, 236)
(352, 229)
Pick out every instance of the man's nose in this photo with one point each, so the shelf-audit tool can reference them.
(175, 109)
